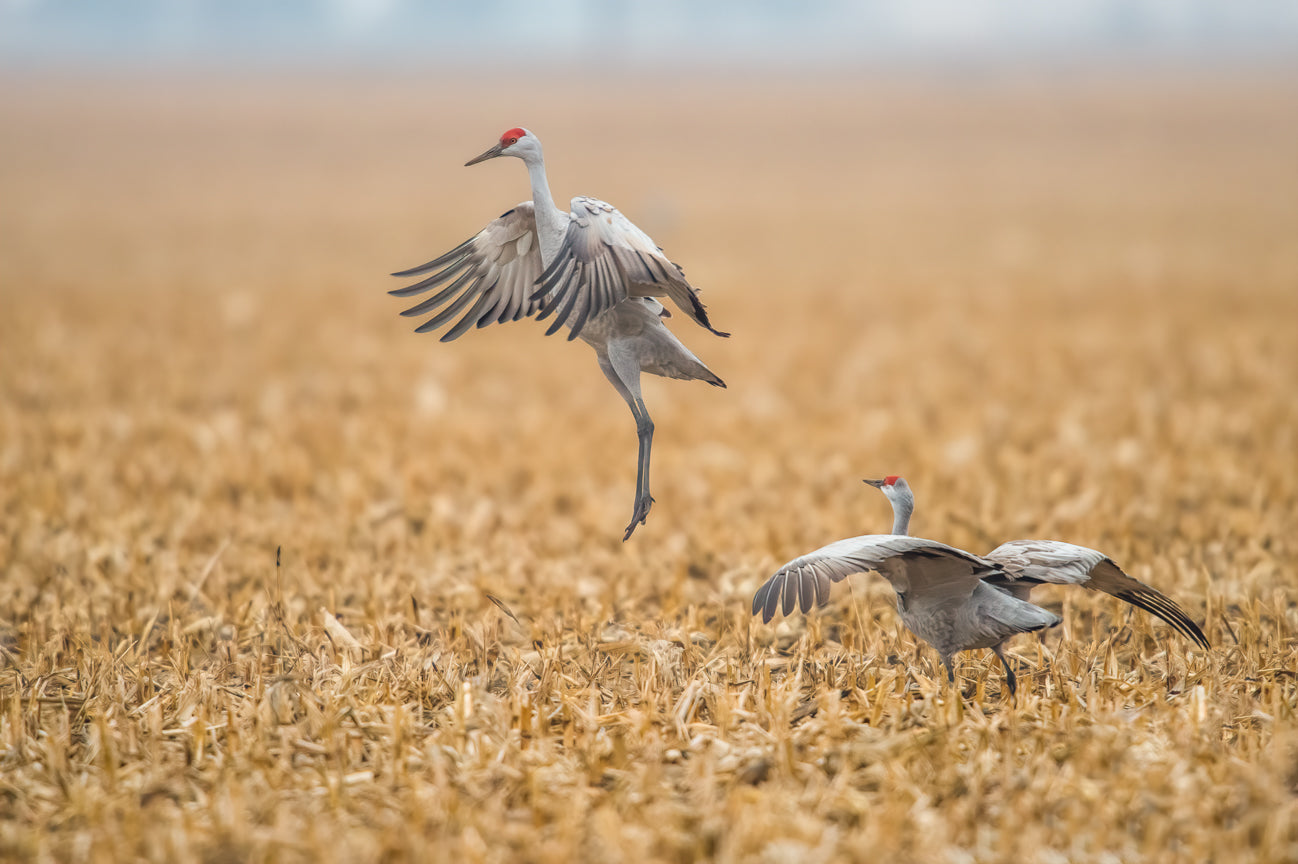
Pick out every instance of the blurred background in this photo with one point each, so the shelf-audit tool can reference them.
(906, 212)
(910, 214)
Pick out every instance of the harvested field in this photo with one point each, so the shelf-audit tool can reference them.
(252, 527)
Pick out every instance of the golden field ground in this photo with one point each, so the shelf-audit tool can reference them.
(1064, 310)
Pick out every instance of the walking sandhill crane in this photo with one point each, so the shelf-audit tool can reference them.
(590, 268)
(943, 593)
(1025, 564)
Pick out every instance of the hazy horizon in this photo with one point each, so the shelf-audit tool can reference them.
(577, 34)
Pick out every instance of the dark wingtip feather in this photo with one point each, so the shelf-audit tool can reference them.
(789, 595)
(410, 290)
(770, 599)
(580, 322)
(564, 312)
(806, 594)
(439, 261)
(415, 271)
(1161, 606)
(550, 305)
(1110, 578)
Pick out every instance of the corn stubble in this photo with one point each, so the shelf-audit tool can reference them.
(284, 581)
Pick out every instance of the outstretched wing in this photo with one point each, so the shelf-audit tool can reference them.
(494, 272)
(922, 571)
(1027, 563)
(603, 260)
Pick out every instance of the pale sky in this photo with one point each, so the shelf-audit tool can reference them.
(645, 31)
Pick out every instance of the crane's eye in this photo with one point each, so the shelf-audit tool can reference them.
(511, 142)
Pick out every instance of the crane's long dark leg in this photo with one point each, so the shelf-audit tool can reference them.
(1010, 681)
(644, 428)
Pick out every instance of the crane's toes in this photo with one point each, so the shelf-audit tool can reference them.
(638, 518)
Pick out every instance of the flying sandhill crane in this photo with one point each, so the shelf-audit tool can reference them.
(591, 269)
(1025, 564)
(943, 595)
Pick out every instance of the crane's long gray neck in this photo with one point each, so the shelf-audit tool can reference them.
(551, 222)
(901, 511)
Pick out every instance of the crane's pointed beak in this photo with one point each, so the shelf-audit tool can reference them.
(490, 154)
(877, 484)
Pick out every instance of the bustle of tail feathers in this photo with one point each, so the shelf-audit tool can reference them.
(1053, 621)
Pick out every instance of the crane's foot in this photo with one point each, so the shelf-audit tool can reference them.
(642, 505)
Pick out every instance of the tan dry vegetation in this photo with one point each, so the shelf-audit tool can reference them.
(1062, 310)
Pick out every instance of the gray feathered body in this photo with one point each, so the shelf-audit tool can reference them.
(984, 619)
